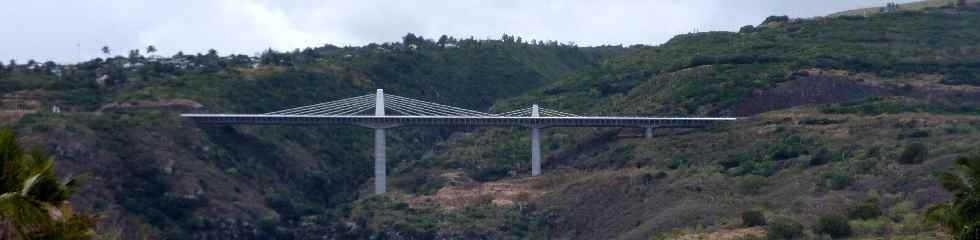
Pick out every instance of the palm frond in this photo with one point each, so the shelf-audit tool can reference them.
(29, 184)
(33, 202)
(26, 215)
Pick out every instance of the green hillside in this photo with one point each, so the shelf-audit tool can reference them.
(843, 119)
(160, 175)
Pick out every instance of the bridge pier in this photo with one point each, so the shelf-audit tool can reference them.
(380, 173)
(649, 132)
(535, 151)
(535, 143)
(380, 163)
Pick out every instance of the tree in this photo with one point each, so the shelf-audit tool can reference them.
(960, 216)
(134, 54)
(410, 38)
(106, 51)
(33, 203)
(443, 40)
(150, 49)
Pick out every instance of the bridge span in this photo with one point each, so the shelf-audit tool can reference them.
(356, 111)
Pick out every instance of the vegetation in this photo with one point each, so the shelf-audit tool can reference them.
(960, 216)
(834, 226)
(835, 105)
(865, 211)
(33, 202)
(162, 189)
(784, 228)
(753, 218)
(914, 153)
(751, 184)
(822, 157)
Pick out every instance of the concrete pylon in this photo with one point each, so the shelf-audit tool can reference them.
(649, 132)
(380, 171)
(535, 144)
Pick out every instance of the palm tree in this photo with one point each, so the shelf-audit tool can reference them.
(33, 203)
(960, 216)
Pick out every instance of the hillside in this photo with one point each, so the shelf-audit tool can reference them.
(156, 174)
(838, 114)
(912, 6)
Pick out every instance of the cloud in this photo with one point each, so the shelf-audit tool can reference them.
(232, 26)
(68, 31)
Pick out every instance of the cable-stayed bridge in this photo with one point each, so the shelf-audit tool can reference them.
(381, 111)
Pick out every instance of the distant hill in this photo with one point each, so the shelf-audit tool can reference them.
(913, 6)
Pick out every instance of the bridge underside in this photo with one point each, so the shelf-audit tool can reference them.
(397, 121)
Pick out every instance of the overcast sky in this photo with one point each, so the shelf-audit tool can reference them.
(68, 31)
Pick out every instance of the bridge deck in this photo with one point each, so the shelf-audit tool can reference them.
(395, 120)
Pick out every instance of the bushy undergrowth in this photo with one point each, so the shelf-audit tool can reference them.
(834, 226)
(784, 229)
(753, 218)
(914, 153)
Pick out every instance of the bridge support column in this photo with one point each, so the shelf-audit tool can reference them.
(535, 143)
(380, 173)
(535, 151)
(649, 132)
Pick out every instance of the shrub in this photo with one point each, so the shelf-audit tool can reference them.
(874, 227)
(734, 160)
(783, 151)
(835, 226)
(834, 181)
(785, 228)
(867, 210)
(751, 184)
(753, 218)
(491, 173)
(821, 121)
(961, 77)
(914, 134)
(822, 157)
(915, 153)
(676, 163)
(758, 167)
